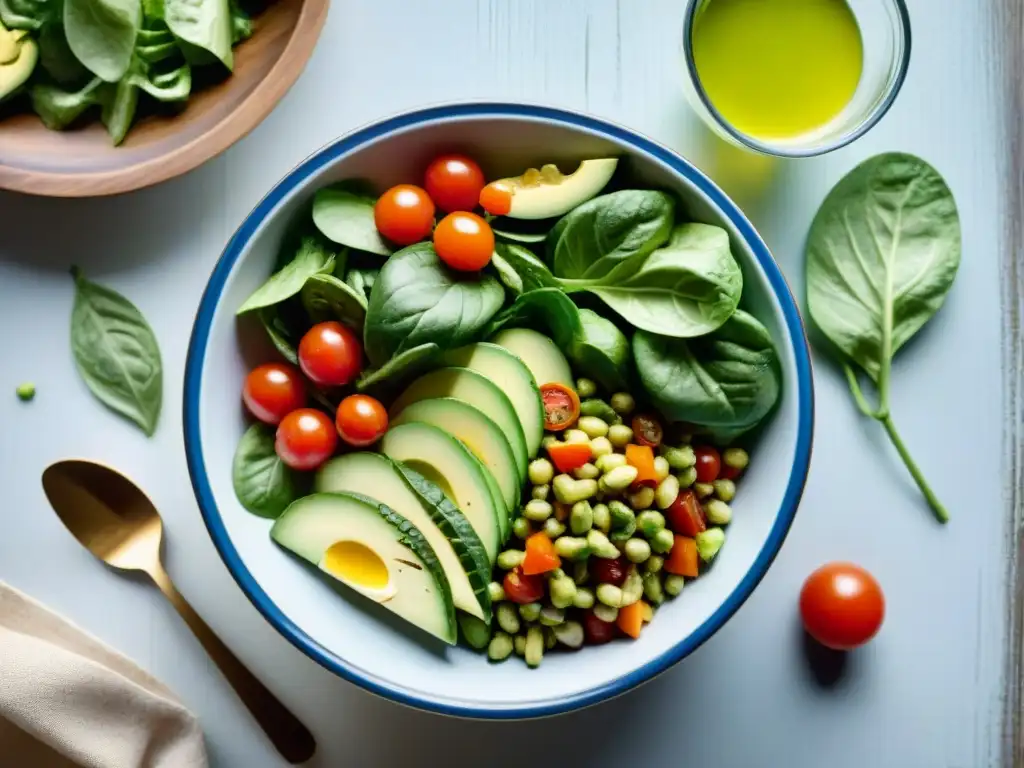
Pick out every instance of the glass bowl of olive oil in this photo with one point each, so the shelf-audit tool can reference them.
(794, 78)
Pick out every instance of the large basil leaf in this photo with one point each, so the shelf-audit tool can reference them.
(116, 353)
(325, 297)
(204, 24)
(101, 34)
(729, 379)
(343, 212)
(312, 258)
(418, 300)
(687, 288)
(262, 482)
(520, 270)
(609, 231)
(882, 254)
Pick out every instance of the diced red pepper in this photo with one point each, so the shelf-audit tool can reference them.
(540, 555)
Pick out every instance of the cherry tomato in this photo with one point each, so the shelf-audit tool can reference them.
(842, 606)
(272, 391)
(404, 214)
(523, 589)
(647, 430)
(464, 241)
(597, 632)
(685, 515)
(609, 571)
(361, 420)
(330, 354)
(709, 464)
(454, 183)
(305, 439)
(729, 473)
(561, 406)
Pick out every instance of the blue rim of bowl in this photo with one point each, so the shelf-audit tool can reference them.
(777, 150)
(327, 659)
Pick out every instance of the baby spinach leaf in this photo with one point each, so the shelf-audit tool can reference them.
(343, 212)
(58, 108)
(361, 280)
(56, 58)
(119, 103)
(687, 288)
(545, 309)
(279, 334)
(418, 300)
(116, 353)
(729, 379)
(262, 482)
(101, 34)
(882, 254)
(520, 270)
(311, 259)
(28, 14)
(241, 24)
(168, 80)
(398, 370)
(608, 232)
(205, 24)
(325, 297)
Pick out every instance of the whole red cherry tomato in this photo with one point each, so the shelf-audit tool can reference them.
(361, 420)
(609, 571)
(330, 354)
(595, 631)
(842, 606)
(523, 589)
(272, 391)
(454, 183)
(464, 241)
(404, 214)
(709, 463)
(305, 439)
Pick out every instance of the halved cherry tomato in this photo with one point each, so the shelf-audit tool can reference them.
(305, 439)
(361, 420)
(330, 354)
(631, 618)
(685, 515)
(842, 606)
(595, 631)
(523, 589)
(642, 457)
(609, 571)
(454, 182)
(561, 406)
(540, 555)
(272, 391)
(683, 560)
(647, 430)
(464, 241)
(569, 456)
(709, 463)
(404, 214)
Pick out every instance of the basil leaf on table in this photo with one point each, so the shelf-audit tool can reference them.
(343, 212)
(882, 254)
(262, 482)
(116, 353)
(418, 300)
(101, 34)
(204, 24)
(520, 270)
(325, 297)
(312, 258)
(729, 379)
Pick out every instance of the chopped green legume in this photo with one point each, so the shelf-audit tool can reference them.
(709, 543)
(649, 522)
(619, 478)
(666, 492)
(662, 541)
(725, 490)
(534, 646)
(584, 598)
(500, 647)
(550, 641)
(552, 528)
(599, 409)
(530, 611)
(549, 440)
(601, 446)
(496, 592)
(570, 634)
(601, 546)
(538, 511)
(475, 631)
(540, 471)
(606, 613)
(551, 616)
(610, 461)
(580, 572)
(585, 388)
(623, 403)
(575, 436)
(661, 468)
(687, 477)
(519, 644)
(593, 426)
(572, 548)
(602, 517)
(587, 472)
(619, 435)
(654, 564)
(610, 595)
(674, 584)
(632, 588)
(521, 528)
(507, 618)
(703, 490)
(581, 518)
(26, 391)
(641, 498)
(652, 588)
(679, 458)
(540, 492)
(562, 591)
(637, 550)
(736, 458)
(717, 512)
(510, 558)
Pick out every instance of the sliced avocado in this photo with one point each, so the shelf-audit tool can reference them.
(19, 54)
(445, 461)
(540, 354)
(474, 389)
(547, 193)
(478, 433)
(504, 521)
(458, 548)
(375, 551)
(513, 378)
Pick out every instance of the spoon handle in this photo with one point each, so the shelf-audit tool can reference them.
(292, 739)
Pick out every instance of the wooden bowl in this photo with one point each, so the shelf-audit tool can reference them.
(81, 162)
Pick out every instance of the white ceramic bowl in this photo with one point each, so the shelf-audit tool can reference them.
(364, 647)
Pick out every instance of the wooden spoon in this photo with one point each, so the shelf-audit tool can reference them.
(112, 518)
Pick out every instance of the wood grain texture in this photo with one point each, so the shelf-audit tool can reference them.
(83, 163)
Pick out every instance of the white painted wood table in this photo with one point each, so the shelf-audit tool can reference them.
(926, 694)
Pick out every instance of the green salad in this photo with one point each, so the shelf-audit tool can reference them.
(512, 410)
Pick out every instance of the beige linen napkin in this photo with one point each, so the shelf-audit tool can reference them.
(68, 700)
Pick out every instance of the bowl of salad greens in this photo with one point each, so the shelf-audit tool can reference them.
(497, 410)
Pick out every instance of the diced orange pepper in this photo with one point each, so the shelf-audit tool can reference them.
(642, 457)
(540, 555)
(631, 619)
(682, 560)
(569, 456)
(647, 611)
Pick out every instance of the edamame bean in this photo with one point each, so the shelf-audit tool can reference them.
(703, 490)
(666, 492)
(601, 410)
(572, 548)
(725, 489)
(601, 446)
(551, 617)
(717, 512)
(610, 595)
(538, 511)
(570, 634)
(584, 598)
(510, 558)
(540, 492)
(580, 572)
(610, 461)
(540, 471)
(687, 477)
(736, 458)
(593, 426)
(679, 458)
(550, 641)
(581, 519)
(662, 541)
(637, 550)
(709, 543)
(654, 564)
(496, 592)
(519, 644)
(575, 436)
(606, 613)
(619, 435)
(649, 522)
(623, 403)
(619, 478)
(521, 528)
(641, 498)
(601, 546)
(562, 591)
(500, 647)
(475, 631)
(674, 585)
(622, 516)
(632, 588)
(553, 529)
(585, 388)
(652, 589)
(569, 490)
(661, 468)
(549, 440)
(587, 472)
(530, 611)
(534, 647)
(507, 617)
(602, 517)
